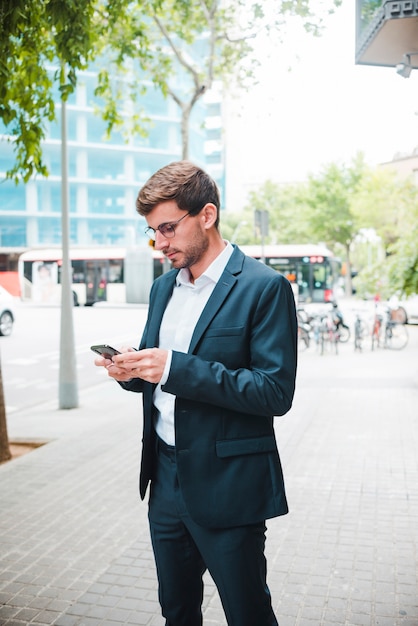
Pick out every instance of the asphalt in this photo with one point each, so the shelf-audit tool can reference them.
(74, 544)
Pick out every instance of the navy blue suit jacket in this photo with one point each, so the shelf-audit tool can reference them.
(238, 373)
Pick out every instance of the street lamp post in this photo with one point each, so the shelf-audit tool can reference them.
(68, 391)
(261, 221)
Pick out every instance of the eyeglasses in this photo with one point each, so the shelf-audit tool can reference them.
(168, 229)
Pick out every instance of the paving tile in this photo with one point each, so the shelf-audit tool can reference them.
(74, 543)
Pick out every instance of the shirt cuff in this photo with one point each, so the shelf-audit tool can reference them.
(166, 371)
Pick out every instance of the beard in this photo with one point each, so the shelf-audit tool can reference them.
(194, 251)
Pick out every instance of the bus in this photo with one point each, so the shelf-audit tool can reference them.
(312, 269)
(100, 273)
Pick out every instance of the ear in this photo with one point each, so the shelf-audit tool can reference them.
(209, 213)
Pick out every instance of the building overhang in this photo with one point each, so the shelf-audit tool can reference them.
(388, 36)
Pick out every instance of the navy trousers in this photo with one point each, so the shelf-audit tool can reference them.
(183, 551)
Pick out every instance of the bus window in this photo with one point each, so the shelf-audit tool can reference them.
(96, 280)
(322, 282)
(319, 276)
(79, 275)
(303, 281)
(115, 271)
(44, 281)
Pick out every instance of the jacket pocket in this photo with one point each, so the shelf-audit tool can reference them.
(253, 445)
(232, 331)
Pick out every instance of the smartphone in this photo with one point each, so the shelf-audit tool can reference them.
(104, 350)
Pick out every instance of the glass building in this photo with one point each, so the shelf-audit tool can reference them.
(104, 174)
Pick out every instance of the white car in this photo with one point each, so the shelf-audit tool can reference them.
(7, 314)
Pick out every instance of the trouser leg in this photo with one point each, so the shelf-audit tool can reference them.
(180, 567)
(236, 561)
(183, 550)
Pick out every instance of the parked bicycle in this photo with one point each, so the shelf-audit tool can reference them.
(342, 328)
(387, 332)
(360, 332)
(304, 330)
(325, 332)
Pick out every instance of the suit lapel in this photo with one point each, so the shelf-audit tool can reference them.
(215, 302)
(218, 296)
(159, 304)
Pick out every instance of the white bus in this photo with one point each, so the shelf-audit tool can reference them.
(312, 269)
(100, 273)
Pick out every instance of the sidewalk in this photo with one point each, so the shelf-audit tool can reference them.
(74, 544)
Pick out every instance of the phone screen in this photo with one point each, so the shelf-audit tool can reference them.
(104, 350)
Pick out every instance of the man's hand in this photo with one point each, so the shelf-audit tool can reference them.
(114, 372)
(145, 364)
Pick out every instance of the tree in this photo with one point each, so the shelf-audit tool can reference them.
(284, 204)
(328, 207)
(190, 45)
(35, 34)
(5, 454)
(403, 264)
(208, 39)
(238, 227)
(385, 202)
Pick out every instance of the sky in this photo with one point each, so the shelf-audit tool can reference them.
(325, 109)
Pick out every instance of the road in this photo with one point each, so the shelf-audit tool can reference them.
(30, 356)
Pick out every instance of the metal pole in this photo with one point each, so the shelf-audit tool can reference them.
(264, 232)
(68, 391)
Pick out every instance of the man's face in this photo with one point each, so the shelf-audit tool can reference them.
(190, 240)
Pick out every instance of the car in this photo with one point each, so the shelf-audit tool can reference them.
(7, 314)
(408, 307)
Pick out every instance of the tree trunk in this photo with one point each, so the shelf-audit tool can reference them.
(185, 116)
(5, 454)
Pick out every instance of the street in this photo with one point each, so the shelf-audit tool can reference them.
(30, 356)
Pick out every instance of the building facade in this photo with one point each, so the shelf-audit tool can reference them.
(405, 165)
(104, 174)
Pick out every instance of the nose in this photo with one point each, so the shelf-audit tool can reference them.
(160, 240)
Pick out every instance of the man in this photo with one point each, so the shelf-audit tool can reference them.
(216, 362)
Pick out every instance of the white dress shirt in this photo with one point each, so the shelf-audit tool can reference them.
(177, 327)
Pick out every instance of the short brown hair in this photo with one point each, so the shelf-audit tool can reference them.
(182, 181)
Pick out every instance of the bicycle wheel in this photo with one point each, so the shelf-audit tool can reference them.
(322, 339)
(344, 332)
(358, 336)
(303, 339)
(396, 337)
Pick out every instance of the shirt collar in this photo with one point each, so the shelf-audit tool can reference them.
(212, 273)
